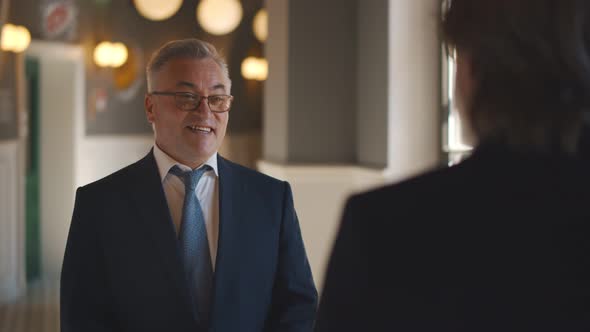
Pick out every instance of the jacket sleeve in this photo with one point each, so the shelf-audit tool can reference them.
(83, 289)
(294, 300)
(345, 302)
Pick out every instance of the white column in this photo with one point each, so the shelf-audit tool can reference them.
(414, 133)
(12, 283)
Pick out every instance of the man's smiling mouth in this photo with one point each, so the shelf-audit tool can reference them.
(201, 129)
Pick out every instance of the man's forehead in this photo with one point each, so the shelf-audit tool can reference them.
(193, 85)
(202, 64)
(194, 74)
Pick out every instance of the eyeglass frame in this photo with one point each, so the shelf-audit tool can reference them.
(196, 96)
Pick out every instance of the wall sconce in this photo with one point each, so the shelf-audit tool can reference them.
(108, 54)
(219, 17)
(260, 25)
(255, 68)
(15, 38)
(157, 10)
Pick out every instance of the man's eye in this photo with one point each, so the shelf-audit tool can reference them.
(187, 98)
(216, 100)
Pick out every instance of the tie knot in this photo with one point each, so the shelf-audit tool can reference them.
(190, 178)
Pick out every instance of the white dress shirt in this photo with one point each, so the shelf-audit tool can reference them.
(207, 192)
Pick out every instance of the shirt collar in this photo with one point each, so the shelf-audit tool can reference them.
(165, 162)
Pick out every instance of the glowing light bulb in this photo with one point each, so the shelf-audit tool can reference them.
(107, 54)
(219, 17)
(15, 38)
(255, 68)
(157, 10)
(260, 25)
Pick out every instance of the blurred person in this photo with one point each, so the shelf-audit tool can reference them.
(499, 242)
(143, 255)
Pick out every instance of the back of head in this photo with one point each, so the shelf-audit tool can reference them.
(530, 62)
(185, 48)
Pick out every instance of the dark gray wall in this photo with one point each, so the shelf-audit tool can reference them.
(373, 72)
(326, 100)
(276, 96)
(322, 81)
(118, 20)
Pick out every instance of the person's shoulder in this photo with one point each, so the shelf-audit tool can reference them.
(419, 189)
(412, 209)
(250, 175)
(115, 180)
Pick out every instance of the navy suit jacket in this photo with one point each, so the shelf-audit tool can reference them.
(122, 269)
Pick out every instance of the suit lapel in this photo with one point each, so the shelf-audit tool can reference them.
(227, 267)
(148, 196)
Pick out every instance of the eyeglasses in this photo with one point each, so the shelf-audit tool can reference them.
(187, 101)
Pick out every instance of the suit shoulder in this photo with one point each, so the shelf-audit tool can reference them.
(419, 188)
(254, 175)
(110, 181)
(404, 210)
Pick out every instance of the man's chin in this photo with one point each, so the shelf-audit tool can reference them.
(202, 154)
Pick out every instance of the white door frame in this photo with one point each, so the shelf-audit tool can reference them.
(62, 129)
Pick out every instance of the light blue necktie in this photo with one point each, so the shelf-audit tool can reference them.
(194, 244)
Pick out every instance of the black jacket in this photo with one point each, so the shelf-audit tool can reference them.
(499, 242)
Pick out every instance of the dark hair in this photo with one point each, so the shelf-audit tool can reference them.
(184, 48)
(531, 67)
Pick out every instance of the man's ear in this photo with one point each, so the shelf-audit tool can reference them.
(149, 108)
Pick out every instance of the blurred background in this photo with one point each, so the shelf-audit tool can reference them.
(334, 96)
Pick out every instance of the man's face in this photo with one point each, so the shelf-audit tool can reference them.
(175, 128)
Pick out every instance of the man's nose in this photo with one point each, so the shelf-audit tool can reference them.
(203, 105)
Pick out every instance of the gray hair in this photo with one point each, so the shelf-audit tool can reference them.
(184, 48)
